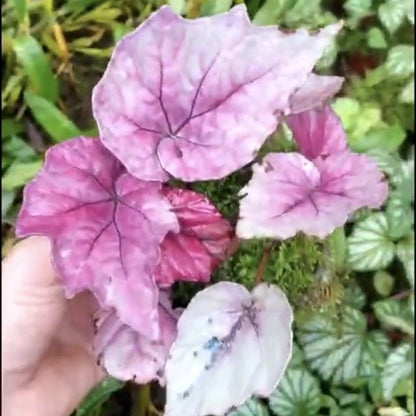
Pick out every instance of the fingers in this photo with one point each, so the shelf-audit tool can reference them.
(68, 373)
(33, 305)
(72, 374)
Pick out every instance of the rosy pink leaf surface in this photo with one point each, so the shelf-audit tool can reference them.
(105, 226)
(318, 132)
(230, 345)
(196, 99)
(128, 355)
(201, 243)
(313, 192)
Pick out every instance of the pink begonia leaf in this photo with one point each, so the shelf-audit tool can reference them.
(201, 244)
(105, 225)
(230, 345)
(316, 90)
(289, 194)
(128, 355)
(318, 132)
(196, 99)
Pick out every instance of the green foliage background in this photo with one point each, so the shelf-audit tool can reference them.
(353, 294)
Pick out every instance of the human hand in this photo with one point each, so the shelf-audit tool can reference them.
(47, 361)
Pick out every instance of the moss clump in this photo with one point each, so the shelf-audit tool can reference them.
(280, 141)
(224, 193)
(183, 292)
(291, 266)
(303, 267)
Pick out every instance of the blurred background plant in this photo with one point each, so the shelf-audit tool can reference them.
(353, 293)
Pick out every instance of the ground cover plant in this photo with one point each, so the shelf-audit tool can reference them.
(259, 186)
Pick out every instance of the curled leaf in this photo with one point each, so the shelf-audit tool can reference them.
(129, 355)
(201, 243)
(318, 132)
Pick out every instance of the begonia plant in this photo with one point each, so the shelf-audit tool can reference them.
(189, 100)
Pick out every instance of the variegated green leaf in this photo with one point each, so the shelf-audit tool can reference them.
(394, 313)
(399, 215)
(354, 297)
(358, 7)
(337, 244)
(401, 61)
(392, 411)
(407, 95)
(252, 407)
(387, 162)
(369, 245)
(406, 253)
(399, 365)
(298, 394)
(340, 348)
(392, 14)
(403, 180)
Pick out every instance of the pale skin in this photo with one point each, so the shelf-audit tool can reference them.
(48, 364)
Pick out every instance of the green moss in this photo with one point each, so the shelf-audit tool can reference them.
(183, 292)
(291, 265)
(303, 267)
(224, 193)
(280, 141)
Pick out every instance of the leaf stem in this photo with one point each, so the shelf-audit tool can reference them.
(263, 263)
(233, 247)
(401, 295)
(141, 400)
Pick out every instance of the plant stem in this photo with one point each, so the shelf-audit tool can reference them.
(141, 399)
(401, 295)
(233, 247)
(263, 262)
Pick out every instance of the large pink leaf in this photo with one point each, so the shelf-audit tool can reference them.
(196, 99)
(201, 243)
(105, 225)
(230, 345)
(128, 355)
(318, 132)
(289, 194)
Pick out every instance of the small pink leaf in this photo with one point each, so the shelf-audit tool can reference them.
(128, 355)
(196, 99)
(316, 90)
(318, 132)
(105, 225)
(202, 241)
(289, 193)
(230, 345)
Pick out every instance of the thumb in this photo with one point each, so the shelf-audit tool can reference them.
(33, 305)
